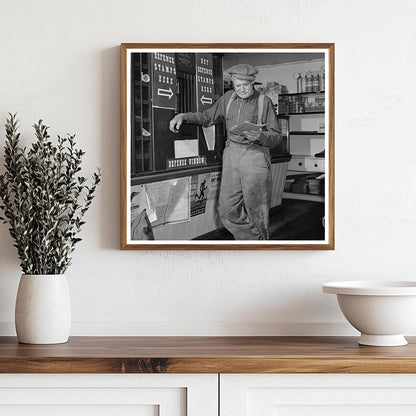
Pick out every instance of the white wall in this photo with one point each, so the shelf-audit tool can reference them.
(60, 61)
(283, 73)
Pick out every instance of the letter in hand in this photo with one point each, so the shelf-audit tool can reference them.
(176, 123)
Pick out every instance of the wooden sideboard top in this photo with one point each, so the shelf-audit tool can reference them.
(206, 355)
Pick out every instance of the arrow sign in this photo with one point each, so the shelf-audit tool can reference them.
(165, 93)
(163, 80)
(206, 100)
(204, 81)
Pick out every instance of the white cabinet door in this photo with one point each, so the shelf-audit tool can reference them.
(108, 395)
(318, 394)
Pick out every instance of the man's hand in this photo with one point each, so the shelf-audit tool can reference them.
(251, 135)
(176, 122)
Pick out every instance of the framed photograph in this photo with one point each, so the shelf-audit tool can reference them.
(227, 146)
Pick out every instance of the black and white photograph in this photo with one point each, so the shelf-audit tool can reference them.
(227, 146)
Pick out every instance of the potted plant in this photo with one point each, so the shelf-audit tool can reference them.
(44, 199)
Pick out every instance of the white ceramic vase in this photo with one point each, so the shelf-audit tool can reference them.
(43, 309)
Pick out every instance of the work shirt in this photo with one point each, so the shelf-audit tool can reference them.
(241, 110)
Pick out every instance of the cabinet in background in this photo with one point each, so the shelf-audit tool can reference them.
(317, 394)
(109, 394)
(305, 176)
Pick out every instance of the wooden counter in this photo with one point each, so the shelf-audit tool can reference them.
(206, 355)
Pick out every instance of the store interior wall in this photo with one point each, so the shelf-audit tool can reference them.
(283, 73)
(61, 63)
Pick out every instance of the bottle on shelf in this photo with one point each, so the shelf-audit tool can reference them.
(309, 81)
(322, 83)
(303, 77)
(316, 82)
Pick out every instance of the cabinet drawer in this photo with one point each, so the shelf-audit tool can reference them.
(318, 394)
(108, 394)
(315, 165)
(297, 163)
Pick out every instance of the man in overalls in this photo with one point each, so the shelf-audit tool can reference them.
(245, 193)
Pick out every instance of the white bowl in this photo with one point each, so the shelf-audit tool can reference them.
(381, 311)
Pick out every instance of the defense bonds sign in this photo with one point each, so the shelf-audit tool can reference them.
(205, 80)
(164, 80)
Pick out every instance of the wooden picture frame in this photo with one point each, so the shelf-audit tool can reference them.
(170, 184)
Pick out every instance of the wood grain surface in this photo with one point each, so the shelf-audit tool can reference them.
(206, 355)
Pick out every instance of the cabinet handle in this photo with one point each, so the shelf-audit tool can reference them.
(300, 163)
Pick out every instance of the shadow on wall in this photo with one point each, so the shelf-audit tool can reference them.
(110, 148)
(280, 315)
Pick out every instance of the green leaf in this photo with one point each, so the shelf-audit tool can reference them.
(44, 198)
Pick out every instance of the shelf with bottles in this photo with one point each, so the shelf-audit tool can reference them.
(302, 103)
(309, 96)
(310, 81)
(305, 186)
